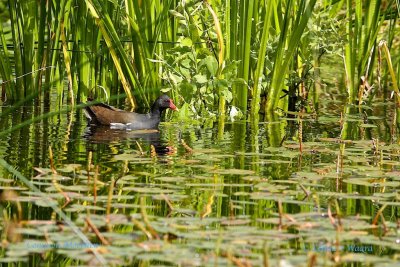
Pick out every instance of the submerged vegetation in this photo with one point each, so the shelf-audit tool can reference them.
(315, 183)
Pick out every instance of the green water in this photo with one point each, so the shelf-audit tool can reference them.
(243, 193)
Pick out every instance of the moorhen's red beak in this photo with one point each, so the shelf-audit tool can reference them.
(172, 106)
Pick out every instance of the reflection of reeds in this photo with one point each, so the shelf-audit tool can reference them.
(109, 200)
(55, 183)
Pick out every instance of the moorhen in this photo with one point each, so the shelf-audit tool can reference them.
(107, 115)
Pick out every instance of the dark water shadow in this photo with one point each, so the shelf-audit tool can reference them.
(105, 135)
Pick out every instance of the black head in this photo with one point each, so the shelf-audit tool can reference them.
(162, 103)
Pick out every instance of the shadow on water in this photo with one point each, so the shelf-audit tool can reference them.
(101, 134)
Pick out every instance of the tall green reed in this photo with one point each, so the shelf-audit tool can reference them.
(293, 24)
(245, 38)
(101, 48)
(87, 43)
(363, 23)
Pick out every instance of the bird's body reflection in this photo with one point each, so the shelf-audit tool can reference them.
(105, 134)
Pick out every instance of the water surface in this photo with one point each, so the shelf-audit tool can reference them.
(205, 194)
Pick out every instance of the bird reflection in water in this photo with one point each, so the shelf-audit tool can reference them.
(105, 134)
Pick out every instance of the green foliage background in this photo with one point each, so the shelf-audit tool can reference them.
(211, 56)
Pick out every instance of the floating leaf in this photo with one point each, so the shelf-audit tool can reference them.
(367, 125)
(234, 172)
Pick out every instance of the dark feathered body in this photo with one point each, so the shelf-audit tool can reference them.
(108, 115)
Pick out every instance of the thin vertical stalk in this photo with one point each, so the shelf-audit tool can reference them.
(40, 58)
(5, 68)
(221, 108)
(288, 43)
(113, 42)
(247, 9)
(255, 102)
(17, 42)
(228, 27)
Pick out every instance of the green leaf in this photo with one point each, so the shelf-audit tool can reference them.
(184, 112)
(200, 78)
(187, 90)
(185, 72)
(187, 42)
(176, 14)
(227, 94)
(211, 63)
(186, 63)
